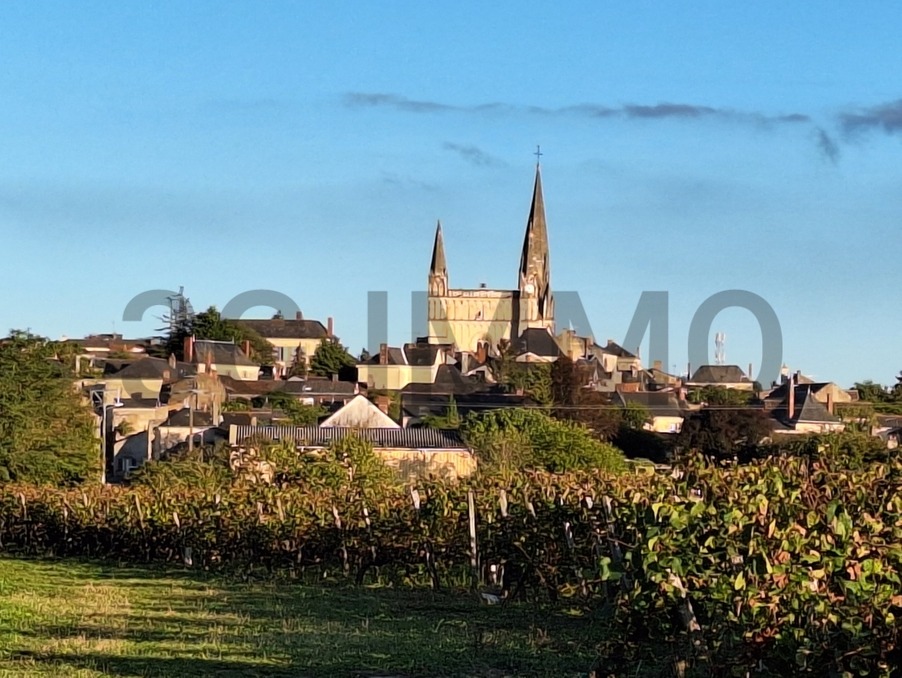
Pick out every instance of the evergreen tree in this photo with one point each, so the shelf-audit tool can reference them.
(330, 358)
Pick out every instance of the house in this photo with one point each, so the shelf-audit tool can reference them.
(139, 380)
(292, 339)
(394, 368)
(328, 393)
(412, 452)
(659, 380)
(536, 345)
(802, 412)
(722, 376)
(663, 407)
(224, 357)
(359, 413)
(826, 392)
(187, 423)
(451, 388)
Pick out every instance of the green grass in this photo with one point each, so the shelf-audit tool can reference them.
(71, 618)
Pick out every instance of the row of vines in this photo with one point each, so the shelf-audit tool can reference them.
(783, 566)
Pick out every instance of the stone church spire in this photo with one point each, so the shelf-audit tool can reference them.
(438, 270)
(535, 270)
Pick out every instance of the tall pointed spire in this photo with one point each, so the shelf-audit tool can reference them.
(438, 270)
(438, 253)
(535, 273)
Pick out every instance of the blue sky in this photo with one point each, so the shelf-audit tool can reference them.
(310, 149)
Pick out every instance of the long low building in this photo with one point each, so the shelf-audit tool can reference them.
(413, 452)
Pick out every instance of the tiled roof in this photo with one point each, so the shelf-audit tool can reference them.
(277, 328)
(315, 436)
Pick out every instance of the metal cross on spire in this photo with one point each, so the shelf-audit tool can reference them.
(538, 154)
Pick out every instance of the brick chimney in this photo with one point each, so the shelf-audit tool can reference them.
(481, 353)
(830, 401)
(246, 347)
(383, 402)
(298, 316)
(791, 406)
(188, 349)
(329, 327)
(383, 354)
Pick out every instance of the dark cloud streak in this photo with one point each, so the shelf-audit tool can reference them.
(473, 154)
(660, 111)
(887, 117)
(827, 145)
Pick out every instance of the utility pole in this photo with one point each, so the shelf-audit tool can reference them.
(191, 404)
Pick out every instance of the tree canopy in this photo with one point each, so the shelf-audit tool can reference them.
(47, 432)
(331, 358)
(510, 440)
(211, 325)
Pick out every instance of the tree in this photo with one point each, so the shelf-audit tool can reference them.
(725, 434)
(211, 325)
(517, 438)
(718, 396)
(47, 432)
(297, 412)
(330, 358)
(573, 402)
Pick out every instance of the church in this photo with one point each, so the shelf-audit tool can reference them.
(470, 319)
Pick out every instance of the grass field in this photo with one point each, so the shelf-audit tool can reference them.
(70, 618)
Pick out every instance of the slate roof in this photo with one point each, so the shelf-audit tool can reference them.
(310, 387)
(779, 394)
(276, 328)
(448, 380)
(537, 341)
(418, 355)
(419, 405)
(223, 353)
(149, 368)
(658, 403)
(613, 348)
(807, 409)
(718, 374)
(182, 417)
(315, 436)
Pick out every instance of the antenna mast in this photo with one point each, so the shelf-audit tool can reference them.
(720, 356)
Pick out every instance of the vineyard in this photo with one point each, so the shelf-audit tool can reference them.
(784, 566)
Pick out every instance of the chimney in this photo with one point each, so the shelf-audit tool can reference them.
(188, 349)
(829, 401)
(334, 377)
(751, 378)
(383, 354)
(298, 316)
(329, 328)
(791, 407)
(172, 361)
(383, 403)
(481, 354)
(246, 347)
